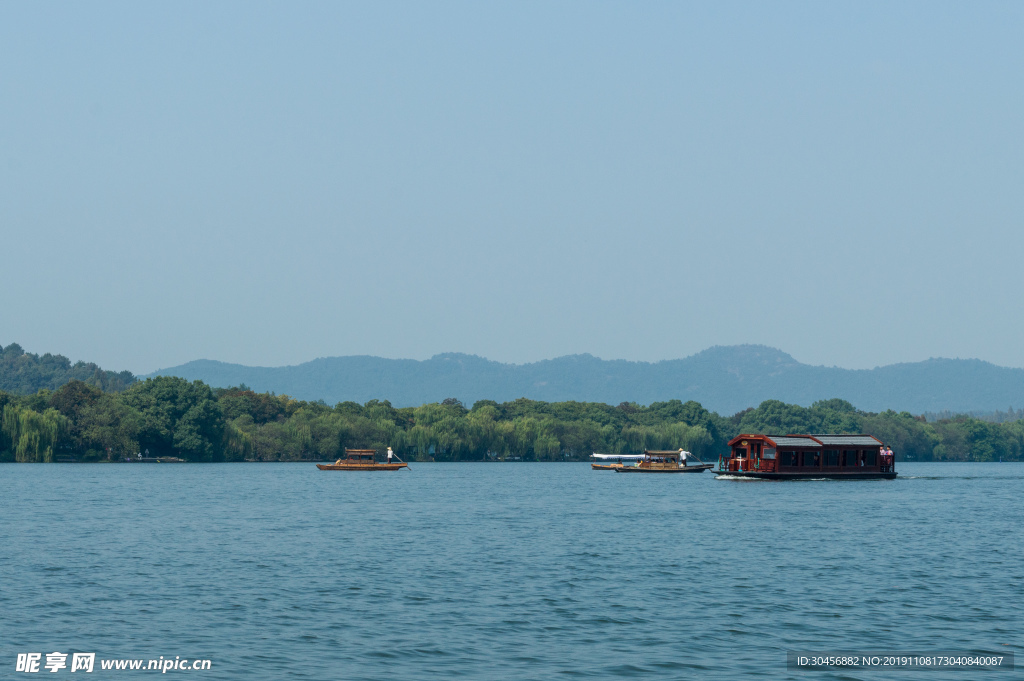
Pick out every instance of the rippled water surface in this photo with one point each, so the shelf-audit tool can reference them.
(504, 571)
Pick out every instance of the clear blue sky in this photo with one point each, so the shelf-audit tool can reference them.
(266, 183)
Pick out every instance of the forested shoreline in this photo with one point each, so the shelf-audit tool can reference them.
(168, 416)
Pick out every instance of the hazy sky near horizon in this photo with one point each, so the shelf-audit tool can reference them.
(266, 183)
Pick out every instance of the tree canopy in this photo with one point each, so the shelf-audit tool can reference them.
(24, 373)
(167, 416)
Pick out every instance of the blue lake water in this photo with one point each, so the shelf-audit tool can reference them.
(504, 571)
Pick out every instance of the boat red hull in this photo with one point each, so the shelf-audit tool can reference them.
(816, 475)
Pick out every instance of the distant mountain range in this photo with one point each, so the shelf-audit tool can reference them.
(723, 379)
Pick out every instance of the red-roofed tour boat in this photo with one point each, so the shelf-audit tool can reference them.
(785, 457)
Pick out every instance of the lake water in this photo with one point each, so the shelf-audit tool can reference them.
(504, 571)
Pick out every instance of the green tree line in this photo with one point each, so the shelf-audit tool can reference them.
(167, 416)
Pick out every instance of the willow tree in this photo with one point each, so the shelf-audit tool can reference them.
(34, 437)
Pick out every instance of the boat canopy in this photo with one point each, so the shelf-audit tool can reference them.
(625, 457)
(674, 454)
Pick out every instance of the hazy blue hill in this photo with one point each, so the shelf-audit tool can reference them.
(724, 379)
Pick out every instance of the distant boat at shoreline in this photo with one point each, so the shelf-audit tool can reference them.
(155, 459)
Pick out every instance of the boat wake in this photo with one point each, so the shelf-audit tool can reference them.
(961, 477)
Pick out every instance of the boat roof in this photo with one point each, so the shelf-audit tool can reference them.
(794, 441)
(860, 440)
(813, 441)
(360, 451)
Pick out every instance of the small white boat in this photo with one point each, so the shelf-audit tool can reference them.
(611, 462)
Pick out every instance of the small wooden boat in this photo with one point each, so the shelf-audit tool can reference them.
(615, 461)
(671, 461)
(362, 460)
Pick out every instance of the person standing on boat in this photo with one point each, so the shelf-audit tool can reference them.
(390, 454)
(682, 457)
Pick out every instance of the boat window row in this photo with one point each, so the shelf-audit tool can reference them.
(829, 458)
